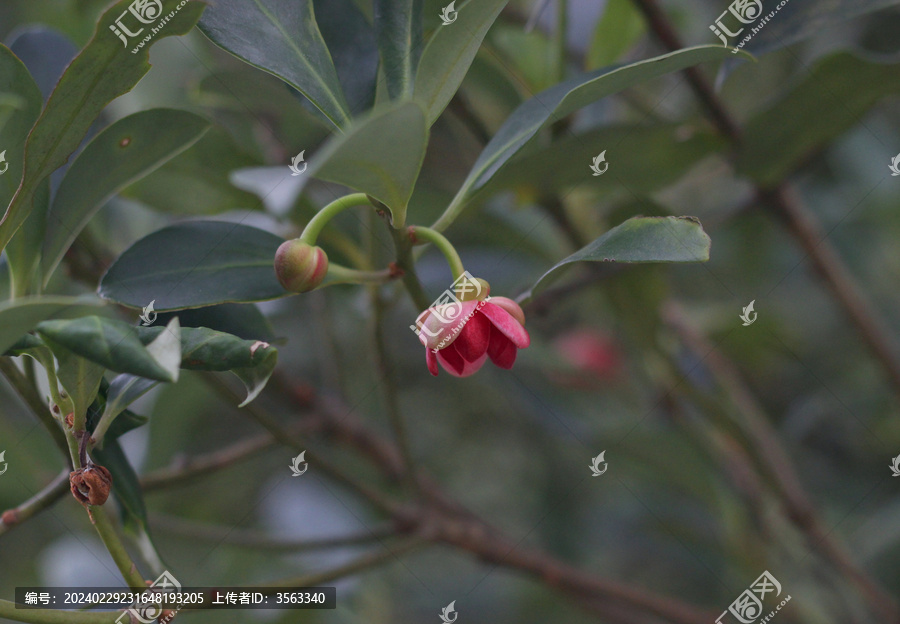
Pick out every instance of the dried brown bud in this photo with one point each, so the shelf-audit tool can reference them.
(70, 420)
(91, 485)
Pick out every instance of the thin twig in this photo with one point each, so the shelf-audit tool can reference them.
(183, 472)
(44, 499)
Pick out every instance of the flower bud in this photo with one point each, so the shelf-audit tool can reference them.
(299, 266)
(91, 485)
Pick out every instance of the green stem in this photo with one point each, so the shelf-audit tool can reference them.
(562, 27)
(338, 274)
(116, 549)
(452, 211)
(315, 226)
(9, 611)
(406, 263)
(445, 246)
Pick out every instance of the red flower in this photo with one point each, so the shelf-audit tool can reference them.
(461, 336)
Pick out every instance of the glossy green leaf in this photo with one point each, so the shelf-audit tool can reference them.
(640, 240)
(450, 52)
(22, 315)
(194, 264)
(111, 343)
(243, 320)
(197, 181)
(561, 100)
(205, 349)
(828, 102)
(19, 109)
(381, 156)
(282, 38)
(125, 151)
(616, 32)
(398, 25)
(351, 42)
(79, 376)
(101, 72)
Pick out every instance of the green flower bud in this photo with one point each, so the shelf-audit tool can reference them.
(299, 266)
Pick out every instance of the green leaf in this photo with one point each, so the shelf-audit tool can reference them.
(111, 343)
(380, 156)
(351, 42)
(244, 320)
(205, 349)
(127, 150)
(827, 103)
(398, 25)
(125, 483)
(562, 100)
(79, 376)
(20, 106)
(450, 52)
(124, 390)
(22, 315)
(640, 240)
(197, 181)
(194, 264)
(280, 37)
(619, 28)
(101, 72)
(24, 250)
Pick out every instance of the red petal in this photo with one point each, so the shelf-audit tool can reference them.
(431, 361)
(472, 341)
(501, 350)
(441, 326)
(507, 324)
(454, 364)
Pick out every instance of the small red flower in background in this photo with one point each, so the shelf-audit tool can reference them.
(462, 336)
(590, 353)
